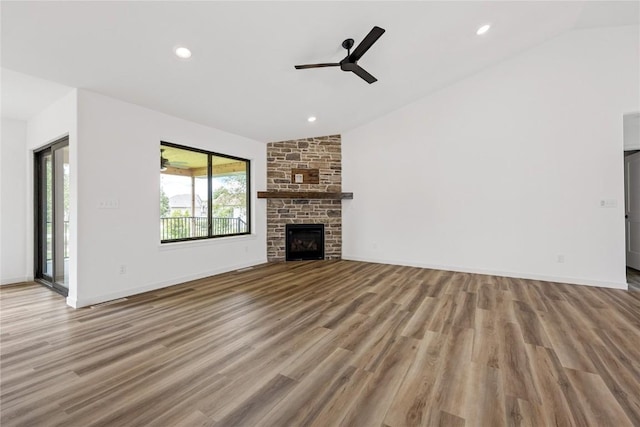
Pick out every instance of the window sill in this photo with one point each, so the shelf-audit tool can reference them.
(215, 241)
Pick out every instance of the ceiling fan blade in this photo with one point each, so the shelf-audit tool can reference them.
(302, 67)
(365, 44)
(364, 74)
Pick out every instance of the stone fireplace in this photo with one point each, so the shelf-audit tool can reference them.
(304, 165)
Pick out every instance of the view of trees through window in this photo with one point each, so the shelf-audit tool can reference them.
(187, 178)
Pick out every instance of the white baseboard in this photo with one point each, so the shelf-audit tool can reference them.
(91, 300)
(14, 280)
(530, 276)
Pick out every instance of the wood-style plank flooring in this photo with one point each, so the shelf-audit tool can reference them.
(325, 343)
(633, 279)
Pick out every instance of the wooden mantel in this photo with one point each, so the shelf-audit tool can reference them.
(303, 195)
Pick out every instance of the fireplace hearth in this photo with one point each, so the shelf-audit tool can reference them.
(304, 242)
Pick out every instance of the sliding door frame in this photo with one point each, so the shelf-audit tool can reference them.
(40, 218)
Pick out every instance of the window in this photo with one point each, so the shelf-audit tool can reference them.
(202, 194)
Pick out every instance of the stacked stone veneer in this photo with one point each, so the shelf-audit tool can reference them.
(323, 153)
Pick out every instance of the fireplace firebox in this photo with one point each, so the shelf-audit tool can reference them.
(304, 241)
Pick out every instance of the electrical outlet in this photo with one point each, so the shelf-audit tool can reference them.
(560, 259)
(123, 269)
(608, 203)
(108, 204)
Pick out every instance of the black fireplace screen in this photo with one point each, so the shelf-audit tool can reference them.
(304, 241)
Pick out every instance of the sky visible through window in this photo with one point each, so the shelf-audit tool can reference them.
(174, 185)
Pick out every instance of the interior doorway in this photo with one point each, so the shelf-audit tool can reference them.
(52, 216)
(631, 132)
(632, 217)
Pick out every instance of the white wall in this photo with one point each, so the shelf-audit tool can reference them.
(118, 156)
(54, 122)
(13, 203)
(504, 171)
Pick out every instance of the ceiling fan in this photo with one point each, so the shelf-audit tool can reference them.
(165, 163)
(350, 62)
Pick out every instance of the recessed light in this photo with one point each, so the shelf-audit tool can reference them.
(183, 53)
(311, 119)
(483, 29)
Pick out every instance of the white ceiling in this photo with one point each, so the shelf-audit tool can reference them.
(241, 77)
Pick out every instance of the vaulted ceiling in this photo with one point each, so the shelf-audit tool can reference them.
(241, 77)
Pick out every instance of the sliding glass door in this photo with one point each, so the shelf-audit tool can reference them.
(52, 216)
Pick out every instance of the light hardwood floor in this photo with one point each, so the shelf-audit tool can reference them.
(326, 343)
